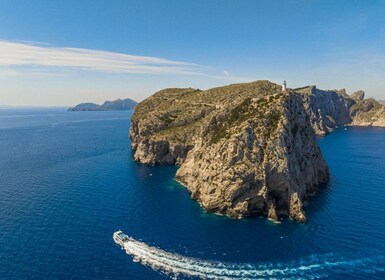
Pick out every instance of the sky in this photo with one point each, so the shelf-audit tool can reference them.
(64, 52)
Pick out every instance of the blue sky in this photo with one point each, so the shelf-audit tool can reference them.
(64, 52)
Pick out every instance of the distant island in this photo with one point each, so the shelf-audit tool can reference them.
(116, 105)
(247, 149)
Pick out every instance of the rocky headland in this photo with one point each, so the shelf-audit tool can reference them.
(247, 149)
(116, 105)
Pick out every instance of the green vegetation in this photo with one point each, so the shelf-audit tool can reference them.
(273, 118)
(219, 134)
(355, 108)
(179, 113)
(247, 110)
(240, 112)
(168, 118)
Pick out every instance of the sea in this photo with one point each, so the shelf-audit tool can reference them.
(68, 181)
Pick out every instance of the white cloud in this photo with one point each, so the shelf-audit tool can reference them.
(8, 73)
(15, 55)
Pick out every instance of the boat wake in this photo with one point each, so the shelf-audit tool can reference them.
(313, 267)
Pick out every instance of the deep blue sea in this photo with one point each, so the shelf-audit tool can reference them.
(68, 181)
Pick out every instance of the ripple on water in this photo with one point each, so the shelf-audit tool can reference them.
(65, 189)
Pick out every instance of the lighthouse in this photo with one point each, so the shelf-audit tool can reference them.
(284, 86)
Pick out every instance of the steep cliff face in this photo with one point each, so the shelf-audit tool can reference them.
(246, 149)
(264, 162)
(164, 127)
(333, 108)
(326, 109)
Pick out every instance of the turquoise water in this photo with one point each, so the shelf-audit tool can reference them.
(68, 181)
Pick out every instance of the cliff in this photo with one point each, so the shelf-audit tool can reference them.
(246, 149)
(367, 112)
(333, 108)
(116, 105)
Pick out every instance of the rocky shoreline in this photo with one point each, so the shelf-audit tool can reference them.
(247, 149)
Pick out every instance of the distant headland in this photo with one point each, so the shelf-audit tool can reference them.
(116, 105)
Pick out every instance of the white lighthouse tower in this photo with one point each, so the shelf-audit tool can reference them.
(284, 86)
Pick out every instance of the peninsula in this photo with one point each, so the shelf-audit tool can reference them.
(247, 149)
(116, 105)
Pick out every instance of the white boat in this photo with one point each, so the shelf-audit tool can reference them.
(120, 238)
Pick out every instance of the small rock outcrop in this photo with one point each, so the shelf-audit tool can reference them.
(246, 149)
(358, 95)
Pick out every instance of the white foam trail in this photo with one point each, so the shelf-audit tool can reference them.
(310, 268)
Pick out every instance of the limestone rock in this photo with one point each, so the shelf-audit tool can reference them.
(326, 109)
(334, 108)
(246, 149)
(259, 165)
(358, 95)
(368, 112)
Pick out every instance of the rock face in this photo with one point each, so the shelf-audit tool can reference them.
(333, 108)
(245, 149)
(116, 105)
(264, 164)
(367, 112)
(326, 109)
(164, 126)
(358, 95)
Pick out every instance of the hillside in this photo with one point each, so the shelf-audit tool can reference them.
(246, 149)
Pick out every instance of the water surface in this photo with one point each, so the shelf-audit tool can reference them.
(68, 181)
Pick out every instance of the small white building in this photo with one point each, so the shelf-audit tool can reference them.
(284, 86)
